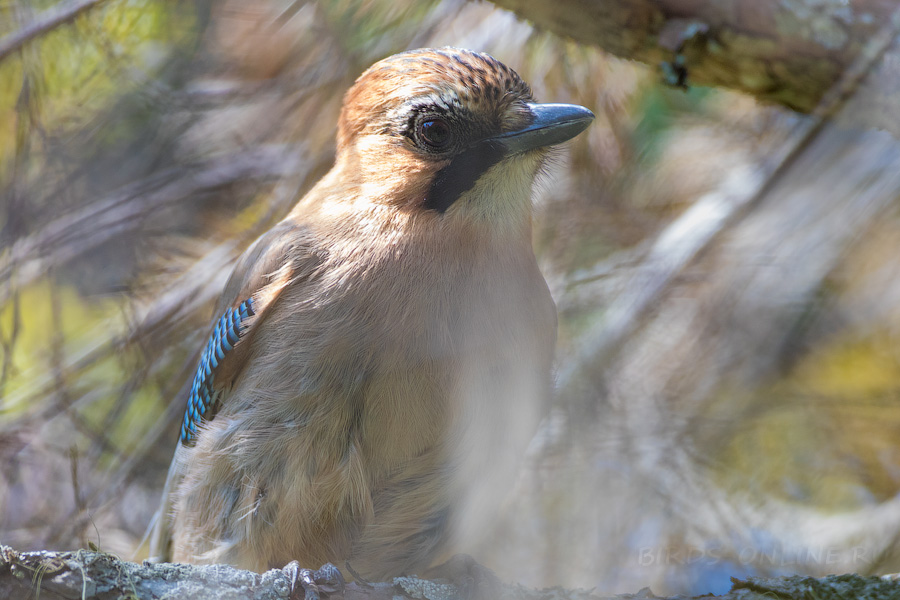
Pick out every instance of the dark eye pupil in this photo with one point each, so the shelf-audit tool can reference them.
(435, 132)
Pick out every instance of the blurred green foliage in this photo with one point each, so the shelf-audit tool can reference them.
(64, 80)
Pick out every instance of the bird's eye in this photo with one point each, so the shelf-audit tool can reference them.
(435, 133)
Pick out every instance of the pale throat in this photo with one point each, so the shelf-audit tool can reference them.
(501, 197)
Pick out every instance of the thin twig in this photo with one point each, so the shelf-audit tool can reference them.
(48, 20)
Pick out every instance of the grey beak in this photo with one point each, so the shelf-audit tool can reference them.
(552, 124)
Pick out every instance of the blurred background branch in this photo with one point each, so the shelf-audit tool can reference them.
(725, 269)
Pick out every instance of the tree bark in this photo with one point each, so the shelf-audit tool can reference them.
(789, 52)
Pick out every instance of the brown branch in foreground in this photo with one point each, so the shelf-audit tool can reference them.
(49, 19)
(87, 574)
(790, 53)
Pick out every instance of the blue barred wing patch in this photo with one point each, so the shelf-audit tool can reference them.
(228, 330)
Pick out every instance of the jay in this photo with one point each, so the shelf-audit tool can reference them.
(381, 357)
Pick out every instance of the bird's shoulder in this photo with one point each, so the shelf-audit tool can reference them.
(285, 254)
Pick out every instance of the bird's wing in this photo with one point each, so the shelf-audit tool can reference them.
(283, 256)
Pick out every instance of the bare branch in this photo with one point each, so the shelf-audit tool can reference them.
(70, 575)
(785, 52)
(712, 215)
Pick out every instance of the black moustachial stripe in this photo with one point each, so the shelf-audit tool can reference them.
(460, 175)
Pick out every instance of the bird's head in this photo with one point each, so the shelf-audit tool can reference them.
(449, 131)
